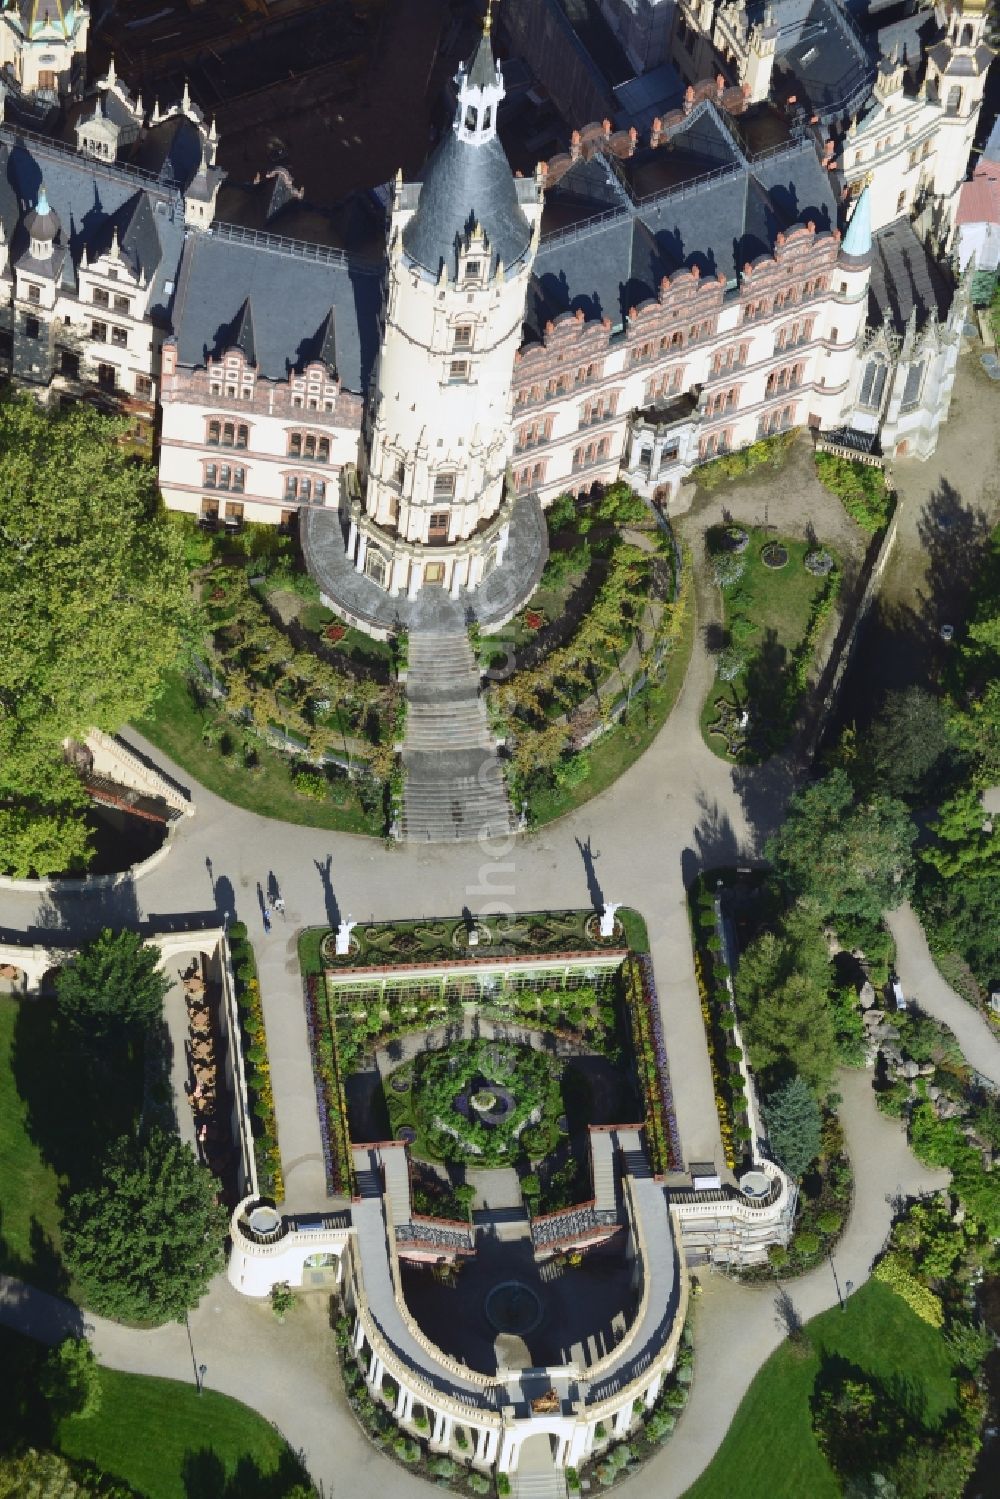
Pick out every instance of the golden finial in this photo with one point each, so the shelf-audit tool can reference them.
(488, 20)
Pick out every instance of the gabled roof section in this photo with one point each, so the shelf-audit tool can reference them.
(905, 279)
(292, 293)
(603, 250)
(240, 335)
(38, 16)
(138, 240)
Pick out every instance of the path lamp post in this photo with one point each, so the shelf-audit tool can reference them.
(848, 1288)
(833, 1269)
(202, 1371)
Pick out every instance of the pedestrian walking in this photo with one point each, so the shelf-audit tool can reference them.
(267, 920)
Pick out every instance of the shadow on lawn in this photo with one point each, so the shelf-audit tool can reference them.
(204, 1477)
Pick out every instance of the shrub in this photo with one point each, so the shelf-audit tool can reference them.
(778, 1255)
(892, 1272)
(829, 1223)
(806, 1243)
(69, 1379)
(862, 490)
(308, 781)
(478, 1484)
(503, 1484)
(282, 1298)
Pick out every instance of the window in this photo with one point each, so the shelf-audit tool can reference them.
(901, 202)
(234, 510)
(295, 445)
(34, 292)
(873, 384)
(319, 491)
(99, 332)
(122, 304)
(444, 486)
(437, 529)
(463, 336)
(107, 377)
(143, 386)
(101, 298)
(458, 371)
(32, 327)
(119, 337)
(69, 365)
(834, 335)
(473, 270)
(911, 390)
(399, 476)
(213, 434)
(471, 118)
(309, 446)
(323, 449)
(211, 475)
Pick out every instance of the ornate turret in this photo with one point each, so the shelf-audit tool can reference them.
(43, 226)
(468, 180)
(857, 242)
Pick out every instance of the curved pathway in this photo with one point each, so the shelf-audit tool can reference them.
(677, 810)
(923, 984)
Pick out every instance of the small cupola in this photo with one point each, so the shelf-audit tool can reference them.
(479, 87)
(43, 227)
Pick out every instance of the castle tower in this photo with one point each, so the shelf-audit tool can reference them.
(758, 65)
(44, 42)
(433, 508)
(956, 76)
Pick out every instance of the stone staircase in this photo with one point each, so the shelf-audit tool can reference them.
(542, 1485)
(454, 784)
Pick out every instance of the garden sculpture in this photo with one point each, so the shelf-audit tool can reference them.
(344, 931)
(608, 918)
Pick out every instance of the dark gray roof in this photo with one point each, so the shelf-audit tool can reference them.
(240, 335)
(482, 68)
(603, 251)
(292, 294)
(463, 184)
(821, 47)
(91, 198)
(905, 278)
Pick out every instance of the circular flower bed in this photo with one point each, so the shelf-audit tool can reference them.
(774, 555)
(819, 563)
(534, 619)
(334, 633)
(472, 1101)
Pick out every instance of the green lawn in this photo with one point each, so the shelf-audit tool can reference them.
(615, 751)
(778, 604)
(157, 1435)
(177, 725)
(29, 1187)
(770, 1452)
(58, 1112)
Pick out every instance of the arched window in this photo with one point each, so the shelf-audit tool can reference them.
(471, 118)
(295, 445)
(213, 434)
(228, 434)
(873, 384)
(309, 446)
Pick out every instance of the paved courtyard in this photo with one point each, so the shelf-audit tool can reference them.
(677, 810)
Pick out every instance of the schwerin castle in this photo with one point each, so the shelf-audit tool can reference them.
(421, 361)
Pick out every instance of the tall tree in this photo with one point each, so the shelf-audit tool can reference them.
(794, 1125)
(144, 1242)
(854, 859)
(115, 982)
(909, 743)
(96, 607)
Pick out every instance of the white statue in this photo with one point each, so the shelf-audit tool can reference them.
(344, 931)
(608, 918)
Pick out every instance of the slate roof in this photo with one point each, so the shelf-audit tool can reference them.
(465, 183)
(91, 199)
(905, 277)
(38, 15)
(291, 293)
(483, 71)
(604, 252)
(819, 45)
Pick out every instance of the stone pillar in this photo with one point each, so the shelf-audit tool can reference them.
(623, 1420)
(456, 576)
(508, 1448)
(562, 1452)
(475, 572)
(359, 1335)
(482, 1436)
(502, 541)
(359, 565)
(581, 1444)
(404, 1404)
(352, 538)
(375, 1372)
(491, 1445)
(653, 1390)
(416, 578)
(437, 1430)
